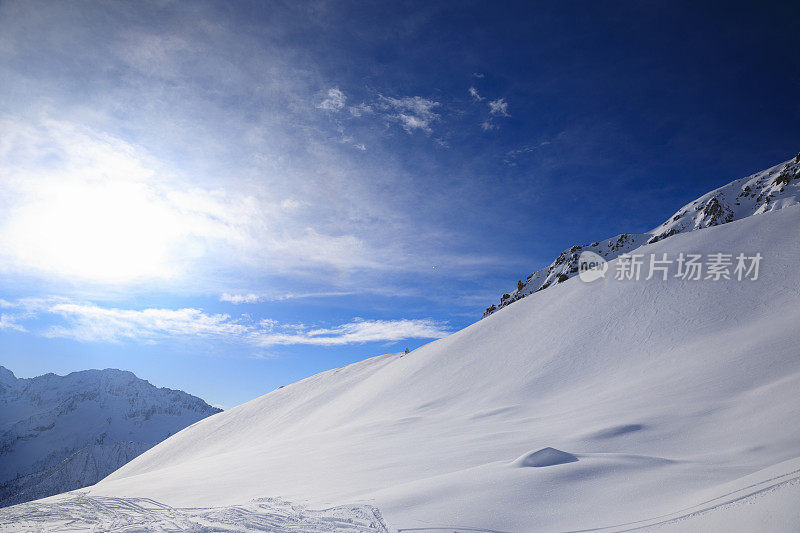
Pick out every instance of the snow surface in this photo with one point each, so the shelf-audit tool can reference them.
(762, 192)
(59, 433)
(678, 399)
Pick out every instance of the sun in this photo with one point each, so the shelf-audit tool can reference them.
(102, 231)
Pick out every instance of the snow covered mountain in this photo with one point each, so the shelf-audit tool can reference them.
(769, 190)
(616, 405)
(59, 433)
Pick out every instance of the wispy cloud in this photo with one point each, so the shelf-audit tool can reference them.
(350, 140)
(499, 108)
(334, 100)
(89, 322)
(528, 148)
(291, 204)
(412, 112)
(104, 210)
(9, 322)
(357, 332)
(361, 110)
(192, 158)
(249, 298)
(513, 155)
(473, 92)
(252, 298)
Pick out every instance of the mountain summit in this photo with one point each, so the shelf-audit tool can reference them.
(59, 433)
(762, 192)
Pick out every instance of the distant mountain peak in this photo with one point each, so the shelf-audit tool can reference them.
(768, 190)
(7, 377)
(60, 433)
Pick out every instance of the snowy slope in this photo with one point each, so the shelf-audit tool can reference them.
(769, 190)
(59, 433)
(669, 404)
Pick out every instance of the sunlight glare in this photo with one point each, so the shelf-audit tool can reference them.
(107, 231)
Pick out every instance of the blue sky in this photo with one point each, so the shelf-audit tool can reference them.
(227, 197)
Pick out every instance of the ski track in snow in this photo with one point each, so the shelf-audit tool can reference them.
(690, 519)
(723, 502)
(81, 512)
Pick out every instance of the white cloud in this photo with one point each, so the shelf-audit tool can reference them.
(89, 322)
(412, 112)
(357, 332)
(84, 206)
(299, 295)
(361, 109)
(143, 169)
(512, 155)
(473, 92)
(291, 204)
(334, 100)
(9, 322)
(499, 108)
(249, 298)
(347, 139)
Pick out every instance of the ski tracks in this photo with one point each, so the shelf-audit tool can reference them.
(81, 512)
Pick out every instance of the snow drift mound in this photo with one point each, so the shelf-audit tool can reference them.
(545, 457)
(669, 392)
